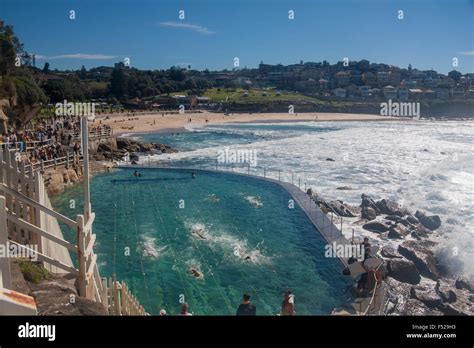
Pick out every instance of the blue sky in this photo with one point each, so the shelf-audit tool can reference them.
(213, 32)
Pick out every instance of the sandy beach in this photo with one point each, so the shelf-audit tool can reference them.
(161, 122)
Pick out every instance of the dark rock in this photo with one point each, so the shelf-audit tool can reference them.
(395, 218)
(375, 226)
(145, 147)
(463, 283)
(344, 188)
(323, 208)
(399, 288)
(368, 213)
(419, 252)
(104, 147)
(367, 201)
(397, 295)
(131, 145)
(455, 309)
(415, 307)
(427, 295)
(412, 220)
(419, 231)
(390, 207)
(404, 271)
(398, 232)
(405, 223)
(444, 289)
(343, 209)
(401, 301)
(330, 159)
(389, 251)
(432, 222)
(459, 302)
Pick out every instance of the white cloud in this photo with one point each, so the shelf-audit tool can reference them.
(194, 27)
(467, 53)
(78, 56)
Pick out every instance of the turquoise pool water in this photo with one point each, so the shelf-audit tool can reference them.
(238, 232)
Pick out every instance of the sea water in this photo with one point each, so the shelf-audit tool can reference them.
(422, 164)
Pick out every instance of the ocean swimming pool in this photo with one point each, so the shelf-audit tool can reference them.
(238, 232)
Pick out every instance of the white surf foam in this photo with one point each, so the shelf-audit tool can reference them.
(427, 165)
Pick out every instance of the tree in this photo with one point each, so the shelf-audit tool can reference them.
(119, 84)
(83, 73)
(190, 83)
(176, 74)
(46, 68)
(455, 75)
(9, 47)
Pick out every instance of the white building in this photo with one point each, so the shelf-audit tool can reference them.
(390, 92)
(340, 92)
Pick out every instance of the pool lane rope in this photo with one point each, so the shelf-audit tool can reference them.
(173, 253)
(114, 252)
(140, 248)
(201, 258)
(252, 288)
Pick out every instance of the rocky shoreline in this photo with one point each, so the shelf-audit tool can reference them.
(56, 180)
(419, 281)
(107, 151)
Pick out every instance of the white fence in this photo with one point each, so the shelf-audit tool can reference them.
(22, 223)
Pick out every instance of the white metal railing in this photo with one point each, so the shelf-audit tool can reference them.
(23, 223)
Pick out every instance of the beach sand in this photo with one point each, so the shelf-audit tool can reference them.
(162, 122)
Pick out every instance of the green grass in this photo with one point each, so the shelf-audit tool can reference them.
(240, 95)
(33, 272)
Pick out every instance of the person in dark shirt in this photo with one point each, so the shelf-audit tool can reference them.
(246, 308)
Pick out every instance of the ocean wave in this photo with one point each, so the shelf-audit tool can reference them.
(428, 165)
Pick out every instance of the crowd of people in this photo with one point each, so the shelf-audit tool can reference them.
(48, 138)
(248, 308)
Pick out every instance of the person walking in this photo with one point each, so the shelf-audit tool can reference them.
(184, 310)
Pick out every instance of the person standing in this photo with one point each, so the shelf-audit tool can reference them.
(288, 305)
(246, 308)
(184, 310)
